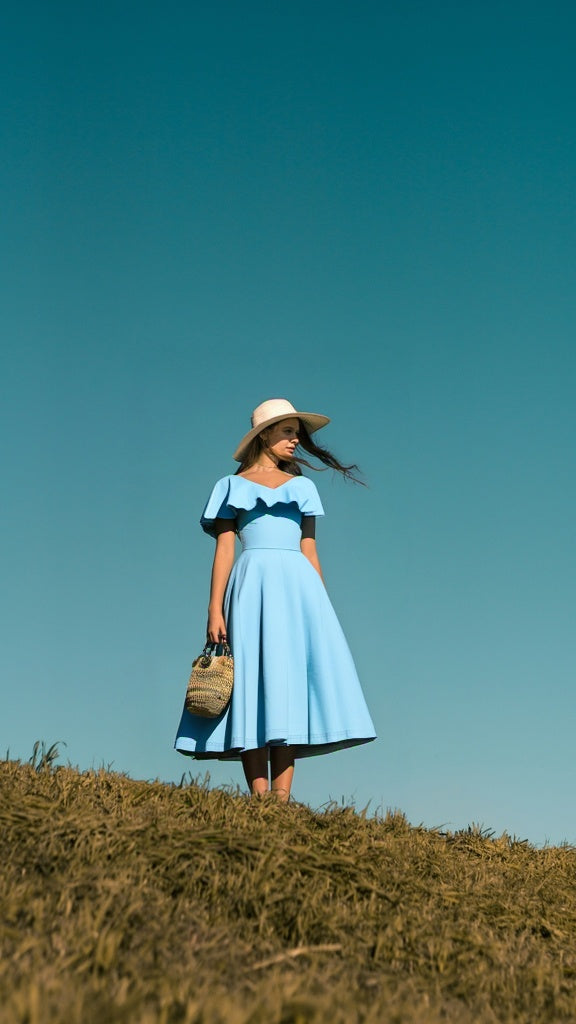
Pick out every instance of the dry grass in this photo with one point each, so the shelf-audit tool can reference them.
(125, 901)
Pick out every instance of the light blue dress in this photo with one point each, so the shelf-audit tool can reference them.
(294, 679)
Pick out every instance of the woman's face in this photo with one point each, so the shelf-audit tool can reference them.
(281, 438)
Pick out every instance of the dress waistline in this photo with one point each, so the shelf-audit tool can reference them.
(269, 547)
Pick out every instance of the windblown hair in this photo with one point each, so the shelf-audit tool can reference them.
(293, 466)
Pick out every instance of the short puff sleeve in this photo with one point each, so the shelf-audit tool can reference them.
(307, 497)
(217, 506)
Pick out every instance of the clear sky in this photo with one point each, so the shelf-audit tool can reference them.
(367, 208)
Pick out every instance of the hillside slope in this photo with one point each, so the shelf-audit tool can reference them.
(126, 901)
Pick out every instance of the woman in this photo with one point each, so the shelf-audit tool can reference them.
(296, 692)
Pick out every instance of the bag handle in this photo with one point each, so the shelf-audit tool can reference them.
(211, 649)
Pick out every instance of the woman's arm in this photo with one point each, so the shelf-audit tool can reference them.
(308, 543)
(221, 569)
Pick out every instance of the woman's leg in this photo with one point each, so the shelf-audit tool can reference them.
(255, 764)
(282, 771)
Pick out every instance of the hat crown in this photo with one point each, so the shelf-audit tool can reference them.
(271, 408)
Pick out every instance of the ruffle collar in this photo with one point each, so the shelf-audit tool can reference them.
(232, 493)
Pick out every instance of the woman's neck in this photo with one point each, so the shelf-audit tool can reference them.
(265, 464)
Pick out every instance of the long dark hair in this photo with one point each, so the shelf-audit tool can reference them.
(293, 466)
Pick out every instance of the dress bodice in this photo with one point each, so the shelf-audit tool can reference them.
(275, 527)
(266, 517)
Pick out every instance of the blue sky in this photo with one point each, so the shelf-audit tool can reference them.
(368, 209)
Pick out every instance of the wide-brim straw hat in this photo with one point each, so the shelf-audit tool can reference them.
(272, 411)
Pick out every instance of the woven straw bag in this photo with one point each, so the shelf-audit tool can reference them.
(210, 684)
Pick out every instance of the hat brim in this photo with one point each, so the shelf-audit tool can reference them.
(312, 420)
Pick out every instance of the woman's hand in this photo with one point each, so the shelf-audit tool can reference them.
(216, 627)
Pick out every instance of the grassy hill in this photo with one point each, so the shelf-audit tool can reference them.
(125, 901)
